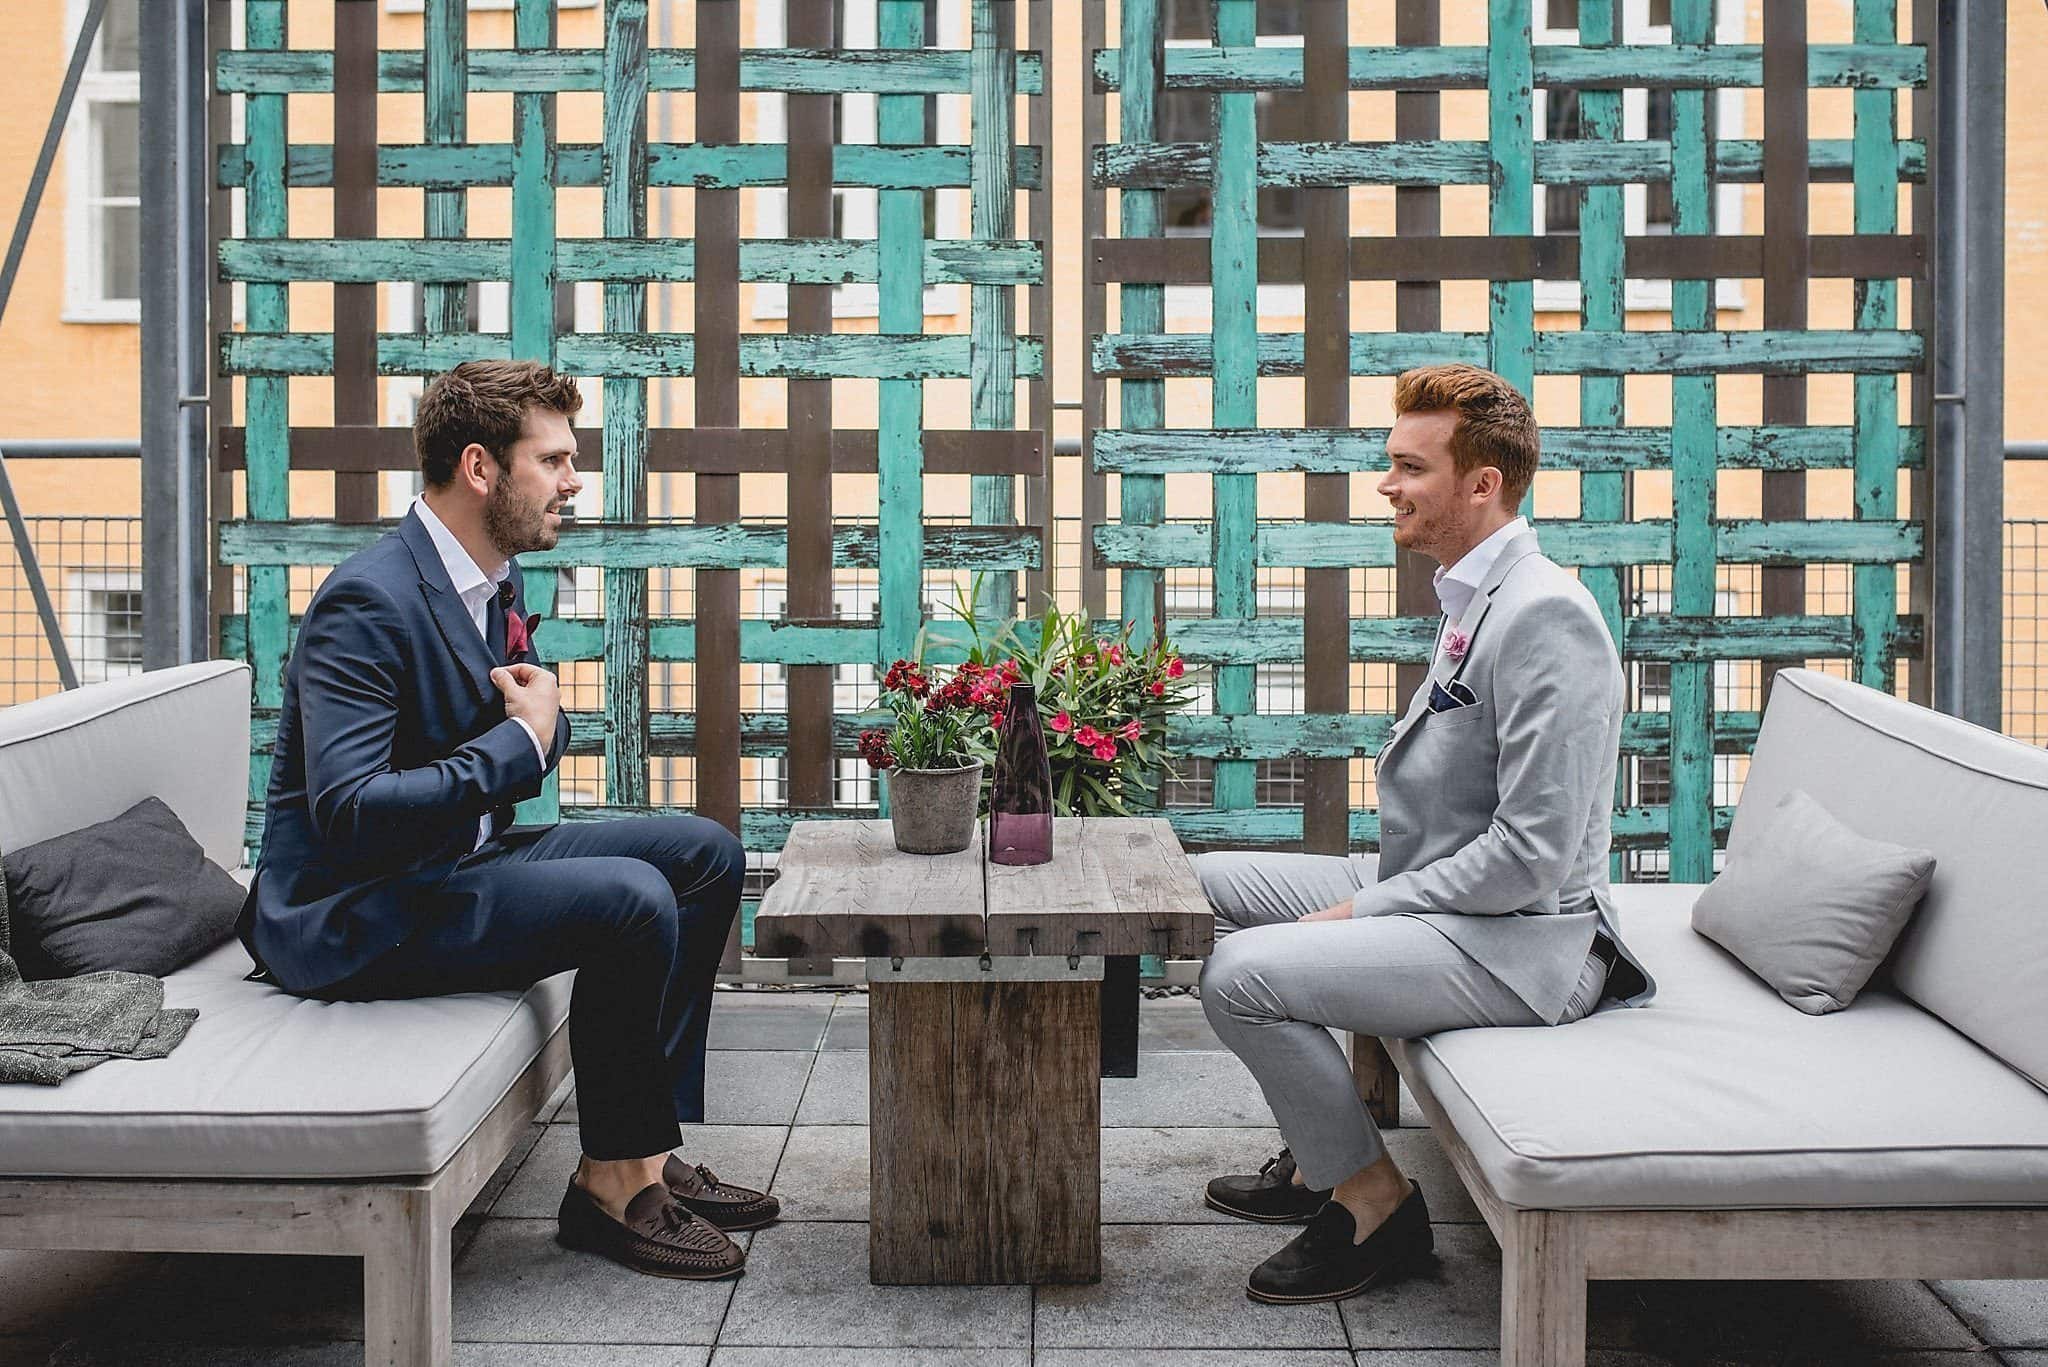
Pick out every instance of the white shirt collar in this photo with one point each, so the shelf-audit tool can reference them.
(469, 580)
(1456, 586)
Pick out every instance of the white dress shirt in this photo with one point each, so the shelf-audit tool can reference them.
(478, 591)
(1456, 586)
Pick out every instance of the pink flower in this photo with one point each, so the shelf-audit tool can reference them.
(1106, 750)
(1129, 730)
(1116, 655)
(1088, 737)
(1176, 667)
(1456, 644)
(1158, 689)
(1063, 723)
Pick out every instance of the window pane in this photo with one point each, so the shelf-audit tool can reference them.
(121, 252)
(1187, 18)
(1660, 13)
(119, 128)
(120, 41)
(1561, 14)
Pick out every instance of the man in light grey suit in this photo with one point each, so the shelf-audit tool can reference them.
(1489, 902)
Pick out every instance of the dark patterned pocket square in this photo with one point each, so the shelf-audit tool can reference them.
(1448, 697)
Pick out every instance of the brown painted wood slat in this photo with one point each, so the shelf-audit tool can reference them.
(1116, 885)
(355, 216)
(1785, 271)
(844, 889)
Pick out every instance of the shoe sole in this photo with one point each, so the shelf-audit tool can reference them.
(761, 1223)
(1216, 1205)
(670, 1274)
(1391, 1273)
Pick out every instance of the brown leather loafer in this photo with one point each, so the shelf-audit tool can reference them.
(697, 1189)
(657, 1237)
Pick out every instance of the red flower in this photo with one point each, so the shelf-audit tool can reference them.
(1175, 667)
(1158, 689)
(1106, 750)
(1063, 722)
(874, 748)
(995, 718)
(1130, 729)
(1088, 737)
(1116, 655)
(907, 677)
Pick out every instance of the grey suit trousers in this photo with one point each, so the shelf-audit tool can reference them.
(1273, 990)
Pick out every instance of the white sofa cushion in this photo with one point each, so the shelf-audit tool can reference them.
(1976, 951)
(268, 1085)
(1718, 1094)
(181, 734)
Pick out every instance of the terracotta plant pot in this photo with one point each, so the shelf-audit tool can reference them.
(933, 811)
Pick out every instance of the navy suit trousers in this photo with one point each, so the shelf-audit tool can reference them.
(639, 908)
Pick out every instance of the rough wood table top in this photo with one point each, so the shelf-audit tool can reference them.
(1116, 885)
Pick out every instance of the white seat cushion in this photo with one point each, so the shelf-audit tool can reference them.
(1718, 1094)
(270, 1085)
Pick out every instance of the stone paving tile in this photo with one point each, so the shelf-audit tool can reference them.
(1156, 1176)
(516, 1285)
(1185, 1089)
(1174, 1024)
(872, 1357)
(577, 1355)
(2024, 1358)
(191, 1298)
(130, 1352)
(1186, 1357)
(1805, 1320)
(824, 1173)
(1422, 1157)
(1454, 1303)
(2004, 1314)
(744, 1087)
(1178, 1286)
(807, 1285)
(849, 1027)
(48, 1292)
(745, 1154)
(768, 1020)
(837, 1093)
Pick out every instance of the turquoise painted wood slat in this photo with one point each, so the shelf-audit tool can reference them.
(1234, 391)
(1141, 308)
(1511, 193)
(992, 308)
(625, 405)
(902, 269)
(736, 167)
(1818, 351)
(1694, 576)
(266, 400)
(1875, 587)
(1875, 65)
(797, 71)
(533, 204)
(444, 300)
(832, 356)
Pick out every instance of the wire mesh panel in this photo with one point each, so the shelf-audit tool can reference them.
(1673, 355)
(715, 624)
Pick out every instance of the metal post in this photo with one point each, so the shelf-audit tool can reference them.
(1966, 646)
(174, 297)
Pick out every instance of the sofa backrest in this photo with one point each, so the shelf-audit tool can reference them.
(1976, 952)
(180, 734)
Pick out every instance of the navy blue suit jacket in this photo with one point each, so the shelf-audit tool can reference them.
(391, 743)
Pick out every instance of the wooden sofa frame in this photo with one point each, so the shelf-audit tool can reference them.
(1548, 1256)
(403, 1229)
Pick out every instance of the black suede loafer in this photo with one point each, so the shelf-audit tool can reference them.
(1271, 1196)
(1322, 1264)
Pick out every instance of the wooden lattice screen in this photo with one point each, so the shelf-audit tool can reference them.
(637, 646)
(1739, 589)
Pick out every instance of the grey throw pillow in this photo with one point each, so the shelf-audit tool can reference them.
(136, 893)
(1809, 905)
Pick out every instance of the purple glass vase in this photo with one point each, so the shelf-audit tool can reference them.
(1020, 803)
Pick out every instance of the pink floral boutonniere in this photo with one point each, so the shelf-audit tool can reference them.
(1456, 644)
(519, 635)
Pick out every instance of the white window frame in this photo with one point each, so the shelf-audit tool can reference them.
(85, 297)
(859, 122)
(85, 622)
(1196, 303)
(1562, 296)
(419, 6)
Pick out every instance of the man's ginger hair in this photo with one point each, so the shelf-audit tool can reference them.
(1495, 423)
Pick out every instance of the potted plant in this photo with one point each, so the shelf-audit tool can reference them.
(933, 754)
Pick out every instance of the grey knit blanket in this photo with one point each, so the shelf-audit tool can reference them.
(50, 1030)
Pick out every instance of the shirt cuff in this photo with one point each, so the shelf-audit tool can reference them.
(534, 736)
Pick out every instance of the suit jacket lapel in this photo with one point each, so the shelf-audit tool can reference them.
(1442, 668)
(458, 628)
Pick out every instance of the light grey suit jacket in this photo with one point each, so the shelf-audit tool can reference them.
(1495, 818)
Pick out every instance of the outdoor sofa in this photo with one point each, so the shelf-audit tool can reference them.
(279, 1125)
(1719, 1132)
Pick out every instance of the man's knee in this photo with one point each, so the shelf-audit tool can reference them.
(1234, 979)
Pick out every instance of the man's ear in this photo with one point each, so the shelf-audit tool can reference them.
(469, 467)
(1488, 484)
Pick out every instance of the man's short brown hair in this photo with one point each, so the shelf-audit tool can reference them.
(1495, 423)
(485, 402)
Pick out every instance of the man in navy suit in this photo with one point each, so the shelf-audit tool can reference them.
(415, 715)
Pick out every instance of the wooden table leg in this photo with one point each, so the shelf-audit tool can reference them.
(985, 1132)
(1120, 1015)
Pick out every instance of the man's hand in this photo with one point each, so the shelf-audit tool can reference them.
(1340, 912)
(532, 696)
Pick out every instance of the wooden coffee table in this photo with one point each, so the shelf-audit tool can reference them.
(984, 1028)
